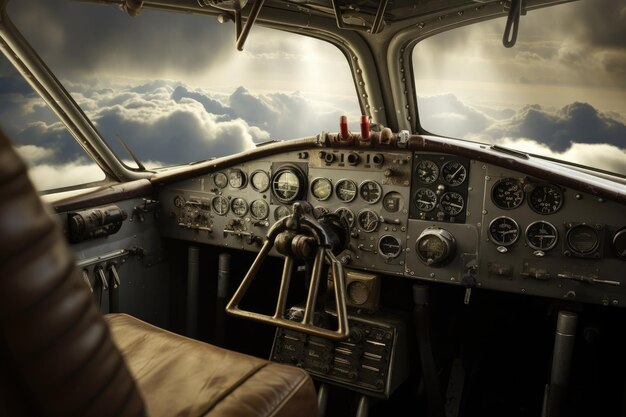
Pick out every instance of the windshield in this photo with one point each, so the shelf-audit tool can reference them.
(559, 92)
(173, 86)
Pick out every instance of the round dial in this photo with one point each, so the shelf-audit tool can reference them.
(546, 199)
(370, 191)
(503, 231)
(453, 173)
(321, 188)
(358, 293)
(260, 181)
(259, 209)
(389, 246)
(220, 205)
(287, 185)
(236, 178)
(239, 206)
(427, 171)
(281, 211)
(541, 235)
(435, 246)
(346, 214)
(507, 193)
(345, 190)
(452, 203)
(425, 199)
(368, 220)
(220, 179)
(179, 201)
(582, 239)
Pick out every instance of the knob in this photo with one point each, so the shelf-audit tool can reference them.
(356, 334)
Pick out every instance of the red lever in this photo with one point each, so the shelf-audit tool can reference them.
(343, 127)
(365, 127)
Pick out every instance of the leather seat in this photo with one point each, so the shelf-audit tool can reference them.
(60, 357)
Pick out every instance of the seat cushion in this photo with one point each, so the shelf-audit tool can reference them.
(179, 376)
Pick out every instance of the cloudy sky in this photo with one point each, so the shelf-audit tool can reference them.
(176, 90)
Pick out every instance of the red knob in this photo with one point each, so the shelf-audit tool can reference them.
(343, 127)
(365, 127)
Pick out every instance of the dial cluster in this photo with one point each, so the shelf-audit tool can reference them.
(439, 188)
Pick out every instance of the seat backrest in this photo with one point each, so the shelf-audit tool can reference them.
(57, 357)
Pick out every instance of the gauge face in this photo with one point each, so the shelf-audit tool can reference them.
(321, 188)
(179, 201)
(220, 205)
(259, 209)
(236, 178)
(507, 193)
(503, 231)
(393, 202)
(358, 292)
(425, 199)
(582, 239)
(368, 220)
(427, 171)
(281, 211)
(260, 181)
(546, 199)
(435, 246)
(239, 206)
(452, 203)
(346, 190)
(370, 191)
(345, 214)
(389, 246)
(453, 173)
(286, 185)
(541, 235)
(220, 179)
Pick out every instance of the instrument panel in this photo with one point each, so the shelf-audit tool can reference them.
(429, 216)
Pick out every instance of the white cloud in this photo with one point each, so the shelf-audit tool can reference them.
(49, 176)
(34, 154)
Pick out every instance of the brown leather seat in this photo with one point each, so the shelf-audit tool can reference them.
(58, 356)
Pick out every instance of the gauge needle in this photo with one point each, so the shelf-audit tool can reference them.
(428, 203)
(456, 172)
(455, 205)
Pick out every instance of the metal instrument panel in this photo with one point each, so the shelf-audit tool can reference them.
(478, 225)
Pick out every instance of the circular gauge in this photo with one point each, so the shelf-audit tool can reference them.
(260, 181)
(287, 184)
(370, 191)
(179, 202)
(321, 188)
(281, 211)
(507, 193)
(358, 293)
(582, 239)
(220, 205)
(259, 209)
(220, 179)
(452, 203)
(435, 246)
(239, 206)
(389, 246)
(541, 235)
(503, 231)
(454, 173)
(393, 202)
(427, 171)
(320, 211)
(345, 190)
(546, 199)
(346, 214)
(236, 178)
(368, 220)
(619, 243)
(425, 199)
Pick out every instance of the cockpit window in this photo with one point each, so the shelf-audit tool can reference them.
(174, 88)
(54, 158)
(559, 92)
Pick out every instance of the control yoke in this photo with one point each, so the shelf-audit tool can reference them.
(301, 236)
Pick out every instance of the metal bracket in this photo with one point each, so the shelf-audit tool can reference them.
(376, 26)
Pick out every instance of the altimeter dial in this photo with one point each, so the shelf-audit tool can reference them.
(368, 220)
(453, 173)
(452, 203)
(546, 199)
(425, 199)
(503, 231)
(427, 171)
